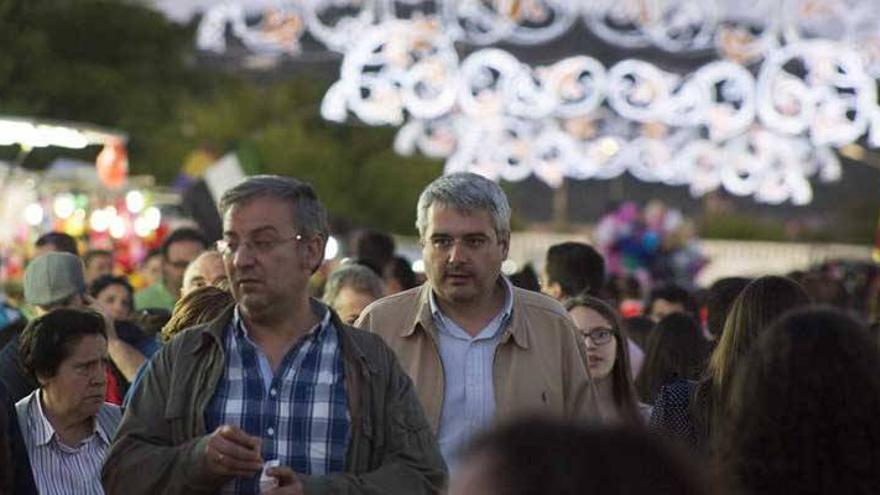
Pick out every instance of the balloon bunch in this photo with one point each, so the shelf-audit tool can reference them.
(655, 243)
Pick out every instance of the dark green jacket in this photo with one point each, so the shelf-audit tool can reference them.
(158, 447)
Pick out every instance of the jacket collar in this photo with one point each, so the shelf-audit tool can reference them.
(424, 318)
(213, 332)
(351, 350)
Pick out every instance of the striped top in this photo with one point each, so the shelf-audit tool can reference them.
(58, 468)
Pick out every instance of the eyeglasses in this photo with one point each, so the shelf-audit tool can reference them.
(599, 336)
(445, 243)
(260, 246)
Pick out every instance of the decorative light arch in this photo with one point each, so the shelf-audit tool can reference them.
(794, 80)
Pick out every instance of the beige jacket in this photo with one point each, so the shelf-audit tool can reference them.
(539, 362)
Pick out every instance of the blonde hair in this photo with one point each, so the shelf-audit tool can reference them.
(199, 306)
(759, 304)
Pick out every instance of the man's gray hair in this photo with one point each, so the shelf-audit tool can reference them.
(465, 191)
(358, 277)
(309, 216)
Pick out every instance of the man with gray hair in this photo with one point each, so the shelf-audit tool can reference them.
(277, 384)
(478, 349)
(350, 289)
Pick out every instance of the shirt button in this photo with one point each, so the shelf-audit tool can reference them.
(273, 392)
(270, 431)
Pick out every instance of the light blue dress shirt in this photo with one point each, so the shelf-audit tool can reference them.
(469, 396)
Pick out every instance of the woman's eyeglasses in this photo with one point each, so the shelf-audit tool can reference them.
(599, 336)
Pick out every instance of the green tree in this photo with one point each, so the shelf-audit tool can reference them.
(105, 62)
(354, 169)
(119, 64)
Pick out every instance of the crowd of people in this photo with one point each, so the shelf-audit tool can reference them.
(248, 366)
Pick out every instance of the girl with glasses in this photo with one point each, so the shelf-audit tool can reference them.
(608, 359)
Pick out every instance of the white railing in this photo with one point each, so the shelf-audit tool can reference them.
(747, 258)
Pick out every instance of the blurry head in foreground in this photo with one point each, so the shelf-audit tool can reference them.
(804, 409)
(537, 457)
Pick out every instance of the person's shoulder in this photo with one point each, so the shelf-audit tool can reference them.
(110, 411)
(371, 344)
(193, 337)
(108, 419)
(9, 350)
(536, 302)
(22, 406)
(394, 302)
(154, 296)
(676, 394)
(150, 289)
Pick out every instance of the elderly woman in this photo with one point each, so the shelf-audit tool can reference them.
(66, 424)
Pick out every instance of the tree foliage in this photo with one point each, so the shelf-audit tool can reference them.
(118, 64)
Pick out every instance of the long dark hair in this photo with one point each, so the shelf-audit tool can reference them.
(623, 391)
(758, 305)
(676, 350)
(804, 409)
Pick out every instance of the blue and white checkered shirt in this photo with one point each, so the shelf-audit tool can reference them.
(300, 411)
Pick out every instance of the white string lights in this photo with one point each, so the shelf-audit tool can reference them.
(794, 79)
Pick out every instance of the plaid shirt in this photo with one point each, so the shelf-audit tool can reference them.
(300, 412)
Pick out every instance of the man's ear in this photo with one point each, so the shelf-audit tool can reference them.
(315, 252)
(505, 245)
(42, 380)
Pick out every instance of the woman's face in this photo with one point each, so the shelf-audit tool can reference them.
(600, 357)
(116, 300)
(78, 388)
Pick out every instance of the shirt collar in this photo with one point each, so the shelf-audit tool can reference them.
(318, 308)
(44, 431)
(506, 310)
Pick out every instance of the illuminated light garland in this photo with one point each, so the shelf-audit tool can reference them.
(743, 31)
(795, 79)
(576, 119)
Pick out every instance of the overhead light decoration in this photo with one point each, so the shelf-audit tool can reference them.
(331, 250)
(794, 80)
(33, 214)
(30, 133)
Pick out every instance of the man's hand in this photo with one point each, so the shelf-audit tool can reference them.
(288, 481)
(232, 452)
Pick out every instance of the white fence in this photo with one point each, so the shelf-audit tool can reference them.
(727, 258)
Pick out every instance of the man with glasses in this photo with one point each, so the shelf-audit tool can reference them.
(277, 380)
(179, 249)
(477, 348)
